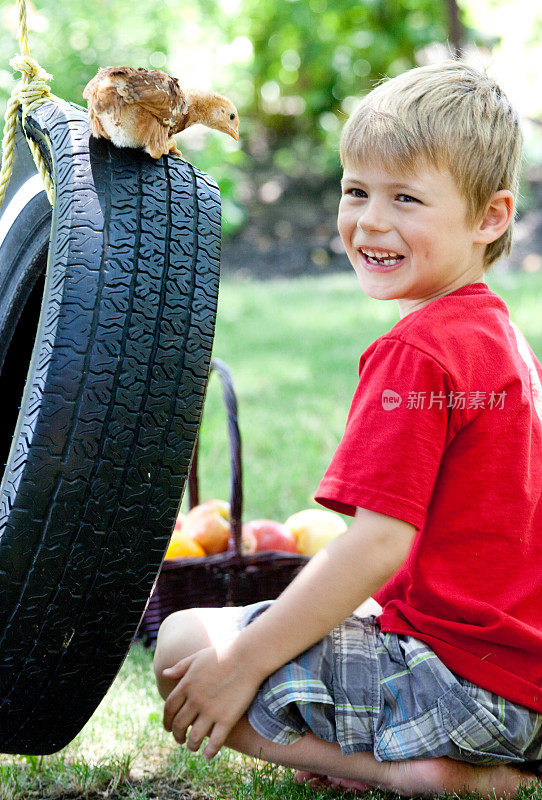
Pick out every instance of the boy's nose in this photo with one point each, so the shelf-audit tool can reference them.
(373, 218)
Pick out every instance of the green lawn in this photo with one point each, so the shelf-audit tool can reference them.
(293, 348)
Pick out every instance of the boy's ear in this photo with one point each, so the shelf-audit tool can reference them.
(496, 218)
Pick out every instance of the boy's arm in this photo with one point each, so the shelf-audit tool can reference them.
(216, 688)
(331, 586)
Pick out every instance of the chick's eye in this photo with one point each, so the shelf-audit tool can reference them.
(232, 116)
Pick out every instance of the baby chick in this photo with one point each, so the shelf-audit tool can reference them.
(145, 108)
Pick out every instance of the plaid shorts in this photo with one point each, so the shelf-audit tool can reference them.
(389, 694)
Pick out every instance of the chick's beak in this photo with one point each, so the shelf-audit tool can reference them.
(233, 132)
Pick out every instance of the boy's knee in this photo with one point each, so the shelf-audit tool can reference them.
(180, 635)
(185, 632)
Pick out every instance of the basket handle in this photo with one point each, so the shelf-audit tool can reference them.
(234, 435)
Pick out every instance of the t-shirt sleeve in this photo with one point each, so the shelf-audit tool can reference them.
(396, 433)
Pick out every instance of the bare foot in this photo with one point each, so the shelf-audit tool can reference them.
(431, 776)
(434, 776)
(316, 780)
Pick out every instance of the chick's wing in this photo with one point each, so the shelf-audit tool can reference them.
(157, 92)
(101, 97)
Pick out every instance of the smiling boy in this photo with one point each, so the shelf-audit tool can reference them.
(410, 240)
(440, 466)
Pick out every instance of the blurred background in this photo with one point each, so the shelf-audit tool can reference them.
(295, 69)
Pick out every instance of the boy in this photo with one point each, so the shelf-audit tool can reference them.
(441, 467)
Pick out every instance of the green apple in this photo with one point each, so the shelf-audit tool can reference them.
(313, 528)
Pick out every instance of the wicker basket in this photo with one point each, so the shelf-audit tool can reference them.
(226, 579)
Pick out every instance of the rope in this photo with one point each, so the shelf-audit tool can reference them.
(29, 93)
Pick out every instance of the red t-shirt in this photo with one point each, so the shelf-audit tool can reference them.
(445, 433)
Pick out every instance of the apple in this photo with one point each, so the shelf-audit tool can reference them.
(313, 528)
(183, 546)
(179, 522)
(208, 524)
(248, 541)
(270, 535)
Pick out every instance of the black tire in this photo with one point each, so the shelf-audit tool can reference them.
(109, 415)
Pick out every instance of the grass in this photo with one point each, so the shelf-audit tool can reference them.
(293, 348)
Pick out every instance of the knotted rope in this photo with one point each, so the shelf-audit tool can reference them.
(29, 93)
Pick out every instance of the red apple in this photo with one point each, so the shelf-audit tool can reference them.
(208, 524)
(271, 535)
(248, 541)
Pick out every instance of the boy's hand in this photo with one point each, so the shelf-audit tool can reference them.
(213, 692)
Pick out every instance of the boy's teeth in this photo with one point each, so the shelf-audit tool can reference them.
(386, 258)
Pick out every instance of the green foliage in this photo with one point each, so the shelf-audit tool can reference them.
(226, 163)
(311, 56)
(72, 40)
(294, 68)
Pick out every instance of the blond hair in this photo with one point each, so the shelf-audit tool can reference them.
(450, 116)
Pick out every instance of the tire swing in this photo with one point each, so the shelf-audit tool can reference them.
(113, 395)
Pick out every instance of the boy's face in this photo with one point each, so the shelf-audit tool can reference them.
(422, 219)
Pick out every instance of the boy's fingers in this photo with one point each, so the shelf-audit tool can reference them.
(216, 740)
(199, 731)
(167, 717)
(177, 670)
(173, 706)
(180, 725)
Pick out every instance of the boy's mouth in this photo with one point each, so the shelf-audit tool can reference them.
(386, 258)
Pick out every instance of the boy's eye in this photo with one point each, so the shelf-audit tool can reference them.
(355, 192)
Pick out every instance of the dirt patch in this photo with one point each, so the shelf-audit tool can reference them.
(291, 230)
(153, 789)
